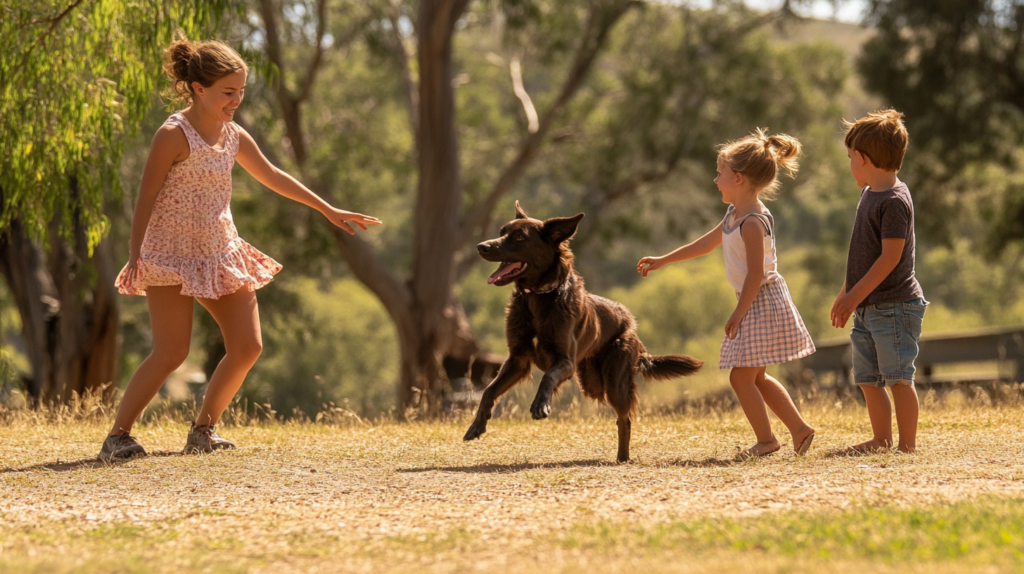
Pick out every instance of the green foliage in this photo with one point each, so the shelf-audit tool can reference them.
(639, 146)
(680, 303)
(338, 346)
(75, 79)
(957, 70)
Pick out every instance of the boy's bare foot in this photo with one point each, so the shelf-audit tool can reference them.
(873, 445)
(760, 449)
(802, 441)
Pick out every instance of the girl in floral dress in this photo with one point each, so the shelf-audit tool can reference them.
(184, 245)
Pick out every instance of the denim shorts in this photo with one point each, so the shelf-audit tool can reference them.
(885, 338)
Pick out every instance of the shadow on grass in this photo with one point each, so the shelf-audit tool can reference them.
(707, 462)
(82, 463)
(499, 468)
(850, 452)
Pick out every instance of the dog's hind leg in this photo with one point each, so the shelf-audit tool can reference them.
(620, 391)
(625, 432)
(512, 372)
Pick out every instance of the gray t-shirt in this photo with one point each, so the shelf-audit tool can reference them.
(884, 215)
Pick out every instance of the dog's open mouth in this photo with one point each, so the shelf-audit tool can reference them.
(506, 273)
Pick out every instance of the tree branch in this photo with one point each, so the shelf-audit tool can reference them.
(599, 25)
(623, 189)
(273, 39)
(411, 93)
(370, 270)
(54, 22)
(515, 70)
(318, 53)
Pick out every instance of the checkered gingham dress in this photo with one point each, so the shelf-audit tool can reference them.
(772, 331)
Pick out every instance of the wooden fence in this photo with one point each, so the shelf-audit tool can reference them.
(1003, 345)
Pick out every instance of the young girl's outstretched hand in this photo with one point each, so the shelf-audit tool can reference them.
(706, 244)
(648, 264)
(341, 218)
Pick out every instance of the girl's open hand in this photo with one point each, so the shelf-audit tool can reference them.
(648, 264)
(732, 326)
(131, 271)
(342, 218)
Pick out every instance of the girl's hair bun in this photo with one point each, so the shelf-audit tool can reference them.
(206, 62)
(784, 149)
(759, 157)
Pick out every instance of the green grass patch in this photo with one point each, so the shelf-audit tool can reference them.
(987, 530)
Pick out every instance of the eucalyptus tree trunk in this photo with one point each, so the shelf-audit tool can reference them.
(68, 308)
(23, 265)
(438, 215)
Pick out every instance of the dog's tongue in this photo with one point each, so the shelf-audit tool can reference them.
(502, 271)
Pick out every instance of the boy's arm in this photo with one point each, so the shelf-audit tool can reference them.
(892, 250)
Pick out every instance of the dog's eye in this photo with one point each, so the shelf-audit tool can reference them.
(520, 237)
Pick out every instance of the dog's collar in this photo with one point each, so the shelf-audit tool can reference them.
(547, 287)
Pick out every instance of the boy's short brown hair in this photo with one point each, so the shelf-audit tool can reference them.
(881, 136)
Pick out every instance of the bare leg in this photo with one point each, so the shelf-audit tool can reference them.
(779, 401)
(239, 318)
(880, 413)
(905, 399)
(170, 316)
(744, 383)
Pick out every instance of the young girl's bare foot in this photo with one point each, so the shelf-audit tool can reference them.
(872, 445)
(802, 440)
(760, 449)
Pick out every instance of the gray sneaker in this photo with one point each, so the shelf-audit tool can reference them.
(204, 439)
(119, 447)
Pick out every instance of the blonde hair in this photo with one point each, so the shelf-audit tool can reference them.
(206, 62)
(881, 136)
(759, 156)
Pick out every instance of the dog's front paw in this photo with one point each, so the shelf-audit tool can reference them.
(475, 430)
(540, 409)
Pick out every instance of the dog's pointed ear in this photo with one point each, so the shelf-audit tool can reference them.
(561, 228)
(520, 214)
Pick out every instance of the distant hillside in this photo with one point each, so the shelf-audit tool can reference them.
(850, 38)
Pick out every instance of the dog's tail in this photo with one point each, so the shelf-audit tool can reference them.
(664, 367)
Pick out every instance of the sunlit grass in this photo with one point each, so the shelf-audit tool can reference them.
(377, 496)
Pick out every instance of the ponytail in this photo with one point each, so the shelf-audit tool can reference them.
(759, 157)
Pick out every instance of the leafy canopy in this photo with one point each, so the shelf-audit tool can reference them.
(76, 77)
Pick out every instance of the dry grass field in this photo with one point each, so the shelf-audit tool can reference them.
(529, 496)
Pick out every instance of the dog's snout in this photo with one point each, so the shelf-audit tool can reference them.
(483, 247)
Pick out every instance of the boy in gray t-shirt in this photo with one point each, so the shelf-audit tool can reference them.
(881, 290)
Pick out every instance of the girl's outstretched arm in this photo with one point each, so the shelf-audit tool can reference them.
(252, 159)
(706, 244)
(168, 148)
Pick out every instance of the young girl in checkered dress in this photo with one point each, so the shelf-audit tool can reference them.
(765, 329)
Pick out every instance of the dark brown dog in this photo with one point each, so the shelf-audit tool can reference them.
(553, 322)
